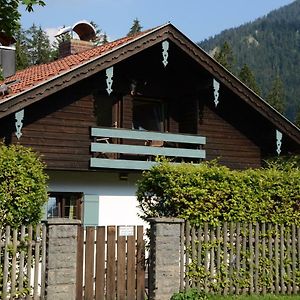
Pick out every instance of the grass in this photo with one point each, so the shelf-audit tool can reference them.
(255, 297)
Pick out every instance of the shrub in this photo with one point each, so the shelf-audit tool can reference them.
(212, 193)
(23, 186)
(191, 294)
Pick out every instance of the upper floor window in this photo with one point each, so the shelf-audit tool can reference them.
(148, 115)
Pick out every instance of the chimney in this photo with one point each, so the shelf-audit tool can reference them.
(73, 46)
(86, 34)
(7, 55)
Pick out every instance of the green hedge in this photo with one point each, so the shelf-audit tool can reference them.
(23, 186)
(212, 193)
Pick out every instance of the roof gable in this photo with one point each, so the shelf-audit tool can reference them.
(36, 82)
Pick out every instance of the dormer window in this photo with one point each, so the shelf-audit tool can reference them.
(148, 115)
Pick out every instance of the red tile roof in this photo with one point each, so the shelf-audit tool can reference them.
(34, 75)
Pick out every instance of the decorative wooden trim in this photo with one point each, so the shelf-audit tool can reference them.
(216, 86)
(109, 79)
(19, 116)
(278, 141)
(165, 53)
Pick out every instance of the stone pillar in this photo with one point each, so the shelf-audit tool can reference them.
(164, 260)
(61, 258)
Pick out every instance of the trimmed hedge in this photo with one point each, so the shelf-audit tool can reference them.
(23, 186)
(212, 193)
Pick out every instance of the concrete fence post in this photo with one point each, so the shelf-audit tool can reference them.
(164, 260)
(61, 258)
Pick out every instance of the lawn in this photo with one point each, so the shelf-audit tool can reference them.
(255, 297)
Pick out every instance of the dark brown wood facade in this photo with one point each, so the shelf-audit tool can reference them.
(58, 126)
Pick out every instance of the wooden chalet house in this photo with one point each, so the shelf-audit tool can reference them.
(100, 116)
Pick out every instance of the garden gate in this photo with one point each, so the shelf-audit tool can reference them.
(111, 263)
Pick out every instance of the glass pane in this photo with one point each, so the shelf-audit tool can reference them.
(70, 207)
(52, 208)
(147, 115)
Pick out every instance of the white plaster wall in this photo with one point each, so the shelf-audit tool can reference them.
(117, 200)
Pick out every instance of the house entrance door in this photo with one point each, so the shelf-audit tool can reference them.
(111, 263)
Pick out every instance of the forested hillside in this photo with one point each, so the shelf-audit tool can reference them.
(270, 46)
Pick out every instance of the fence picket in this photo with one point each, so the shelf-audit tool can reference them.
(79, 267)
(6, 261)
(199, 250)
(244, 249)
(89, 263)
(44, 257)
(36, 262)
(111, 263)
(288, 259)
(238, 257)
(263, 256)
(270, 251)
(187, 246)
(231, 257)
(100, 264)
(29, 257)
(256, 257)
(131, 267)
(276, 259)
(140, 264)
(121, 283)
(218, 255)
(193, 249)
(251, 259)
(22, 259)
(294, 269)
(225, 259)
(282, 272)
(212, 253)
(206, 262)
(14, 263)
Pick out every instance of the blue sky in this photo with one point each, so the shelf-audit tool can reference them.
(195, 18)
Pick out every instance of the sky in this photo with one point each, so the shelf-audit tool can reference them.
(197, 19)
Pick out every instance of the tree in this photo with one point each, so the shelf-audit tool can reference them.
(101, 37)
(297, 120)
(10, 16)
(23, 186)
(135, 28)
(225, 56)
(21, 50)
(39, 50)
(247, 77)
(276, 95)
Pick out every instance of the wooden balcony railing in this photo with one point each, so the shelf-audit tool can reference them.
(114, 148)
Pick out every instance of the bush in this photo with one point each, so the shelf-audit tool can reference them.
(23, 186)
(212, 193)
(191, 294)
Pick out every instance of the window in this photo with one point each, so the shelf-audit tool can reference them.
(64, 205)
(148, 115)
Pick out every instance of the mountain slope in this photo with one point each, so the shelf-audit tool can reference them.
(269, 46)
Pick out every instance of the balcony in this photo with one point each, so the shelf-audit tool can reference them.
(116, 148)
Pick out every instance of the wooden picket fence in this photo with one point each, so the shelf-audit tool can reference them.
(243, 258)
(22, 262)
(111, 263)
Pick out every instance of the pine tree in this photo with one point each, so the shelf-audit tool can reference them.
(225, 56)
(39, 50)
(297, 120)
(101, 38)
(135, 28)
(247, 77)
(276, 95)
(21, 50)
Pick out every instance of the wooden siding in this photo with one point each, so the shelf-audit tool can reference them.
(59, 129)
(226, 143)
